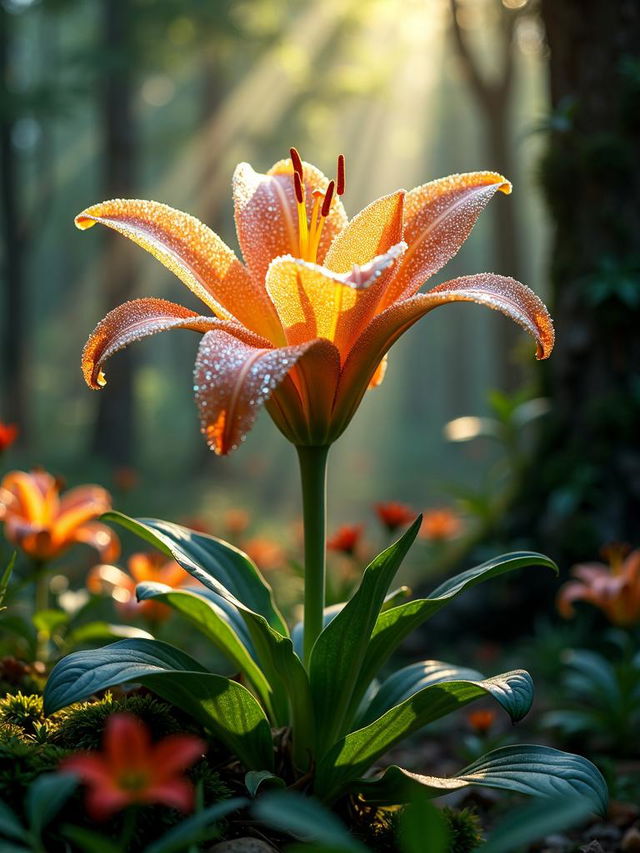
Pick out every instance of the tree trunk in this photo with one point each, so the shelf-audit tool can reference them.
(13, 326)
(115, 424)
(584, 490)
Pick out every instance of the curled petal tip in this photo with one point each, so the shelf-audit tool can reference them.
(506, 187)
(84, 220)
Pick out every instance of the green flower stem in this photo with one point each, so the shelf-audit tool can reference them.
(313, 473)
(41, 602)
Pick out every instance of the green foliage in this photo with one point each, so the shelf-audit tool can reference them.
(345, 661)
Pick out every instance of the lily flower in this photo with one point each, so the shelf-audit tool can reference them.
(131, 770)
(44, 523)
(304, 325)
(121, 586)
(614, 589)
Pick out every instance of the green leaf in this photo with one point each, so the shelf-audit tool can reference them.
(304, 818)
(10, 826)
(195, 828)
(409, 680)
(211, 617)
(340, 649)
(5, 577)
(419, 821)
(527, 769)
(211, 562)
(255, 779)
(45, 798)
(89, 842)
(356, 752)
(394, 625)
(533, 822)
(223, 706)
(47, 621)
(216, 564)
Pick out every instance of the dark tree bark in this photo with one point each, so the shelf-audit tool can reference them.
(493, 98)
(585, 488)
(115, 424)
(13, 253)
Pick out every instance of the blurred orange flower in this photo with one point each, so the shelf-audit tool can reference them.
(8, 434)
(440, 524)
(613, 588)
(44, 523)
(132, 770)
(481, 720)
(305, 325)
(394, 515)
(346, 539)
(121, 587)
(125, 478)
(236, 520)
(266, 553)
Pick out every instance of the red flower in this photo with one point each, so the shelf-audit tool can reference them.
(346, 539)
(394, 515)
(131, 769)
(266, 553)
(8, 434)
(481, 720)
(440, 524)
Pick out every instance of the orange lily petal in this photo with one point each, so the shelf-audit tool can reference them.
(176, 793)
(99, 536)
(69, 520)
(194, 253)
(495, 291)
(134, 320)
(438, 218)
(126, 743)
(176, 753)
(20, 495)
(313, 302)
(232, 380)
(372, 232)
(266, 214)
(378, 377)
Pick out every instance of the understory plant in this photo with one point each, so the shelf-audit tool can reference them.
(304, 328)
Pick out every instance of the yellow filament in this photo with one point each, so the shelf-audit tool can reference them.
(315, 227)
(303, 228)
(314, 238)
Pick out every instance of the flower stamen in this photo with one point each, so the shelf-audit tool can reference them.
(309, 233)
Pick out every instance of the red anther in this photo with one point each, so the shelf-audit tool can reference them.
(297, 183)
(341, 175)
(297, 162)
(328, 196)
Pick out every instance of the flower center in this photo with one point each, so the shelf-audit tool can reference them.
(133, 781)
(310, 231)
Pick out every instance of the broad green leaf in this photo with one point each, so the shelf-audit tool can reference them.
(100, 632)
(394, 625)
(535, 821)
(195, 828)
(5, 577)
(422, 827)
(209, 560)
(409, 680)
(10, 826)
(356, 752)
(223, 706)
(526, 769)
(304, 818)
(47, 621)
(255, 779)
(340, 649)
(213, 621)
(45, 798)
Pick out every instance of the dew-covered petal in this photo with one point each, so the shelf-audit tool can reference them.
(371, 232)
(194, 253)
(137, 319)
(438, 218)
(232, 379)
(498, 292)
(313, 302)
(266, 214)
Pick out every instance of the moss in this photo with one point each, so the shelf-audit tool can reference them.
(83, 724)
(26, 714)
(22, 761)
(465, 829)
